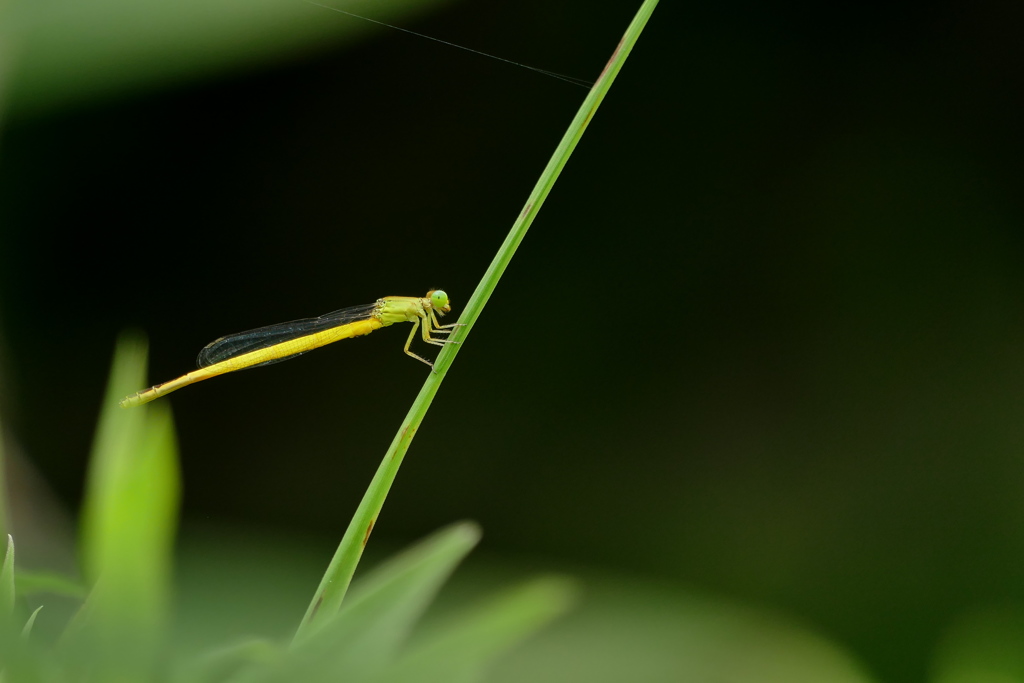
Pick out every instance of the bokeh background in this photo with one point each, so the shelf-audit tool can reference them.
(762, 352)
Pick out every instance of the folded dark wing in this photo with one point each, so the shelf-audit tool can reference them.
(234, 345)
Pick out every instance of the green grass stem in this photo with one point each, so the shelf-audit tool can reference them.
(331, 592)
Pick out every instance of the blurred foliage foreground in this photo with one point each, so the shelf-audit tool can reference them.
(124, 625)
(121, 630)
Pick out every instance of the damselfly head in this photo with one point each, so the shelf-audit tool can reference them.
(439, 300)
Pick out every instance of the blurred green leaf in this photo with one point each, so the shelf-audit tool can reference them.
(129, 519)
(22, 661)
(27, 631)
(73, 641)
(29, 583)
(7, 582)
(986, 646)
(75, 50)
(631, 629)
(131, 500)
(223, 663)
(380, 611)
(366, 640)
(461, 652)
(117, 438)
(8, 642)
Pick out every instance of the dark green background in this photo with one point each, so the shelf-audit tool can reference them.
(765, 339)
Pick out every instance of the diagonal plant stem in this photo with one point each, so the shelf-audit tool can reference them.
(331, 592)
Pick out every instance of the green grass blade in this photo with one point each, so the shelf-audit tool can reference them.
(543, 187)
(129, 520)
(7, 582)
(461, 652)
(130, 507)
(27, 630)
(8, 630)
(331, 592)
(116, 442)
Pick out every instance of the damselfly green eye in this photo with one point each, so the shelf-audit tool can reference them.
(438, 299)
